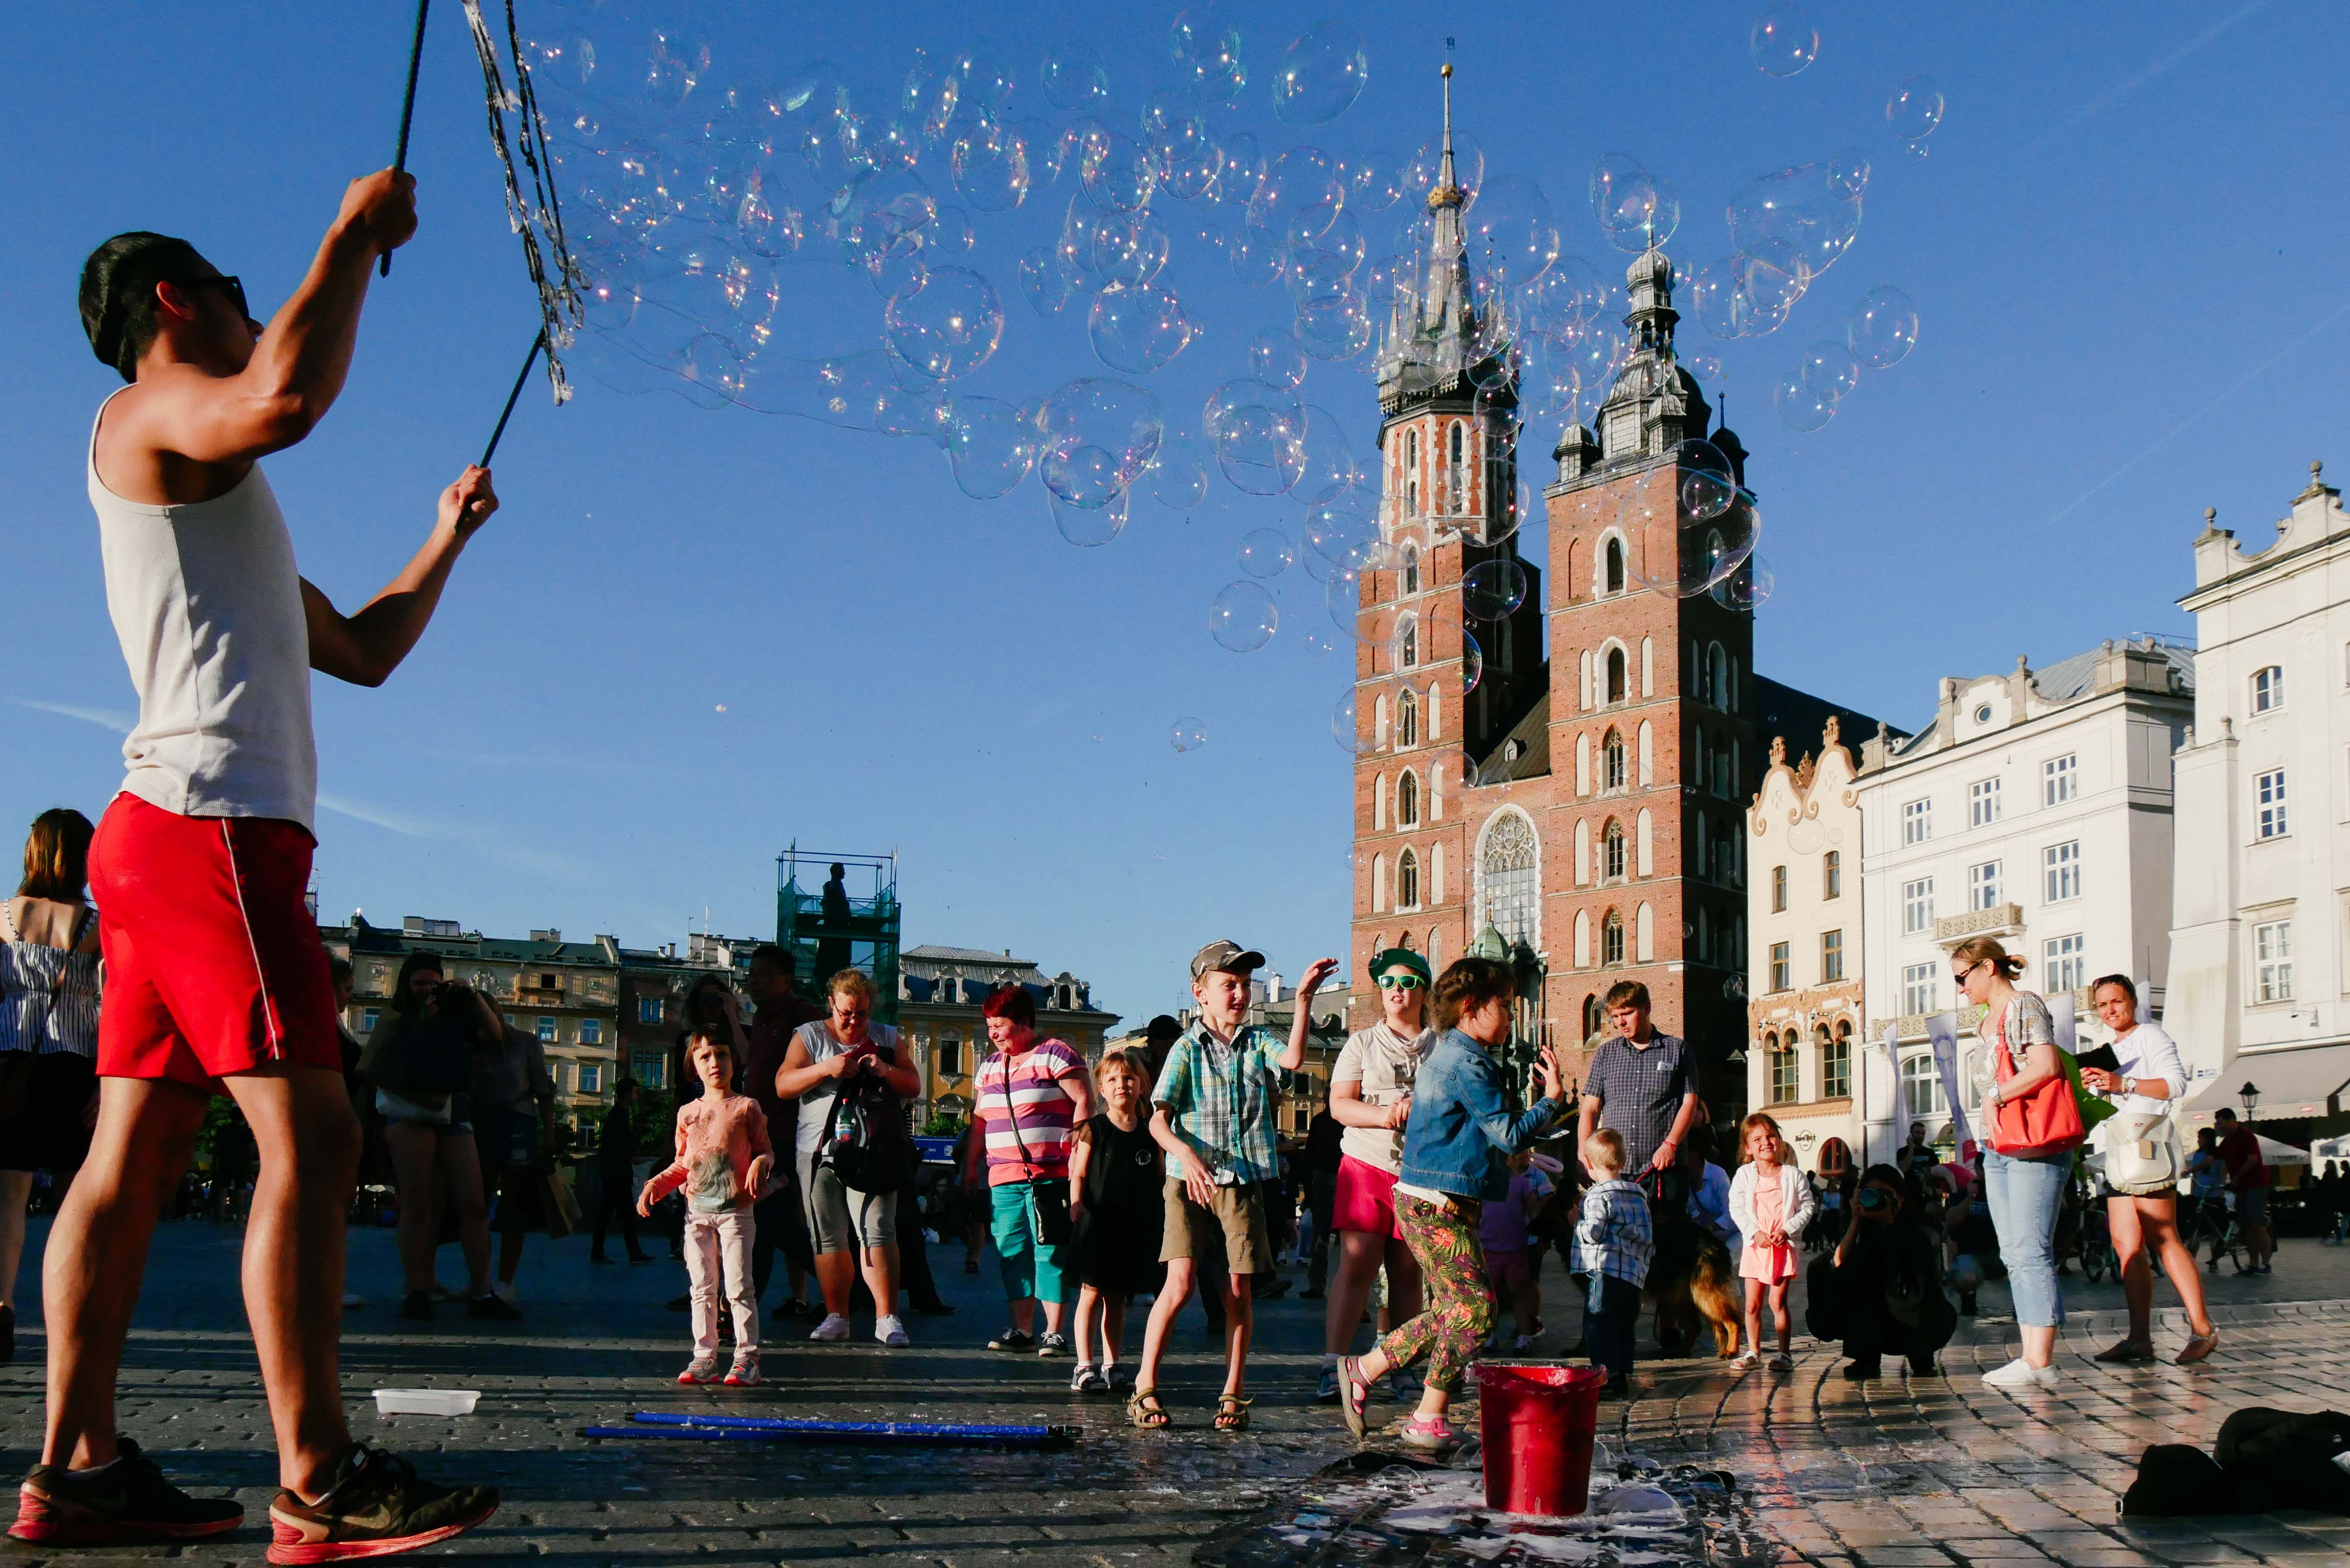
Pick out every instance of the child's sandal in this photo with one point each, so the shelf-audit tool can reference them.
(1231, 1413)
(1143, 1408)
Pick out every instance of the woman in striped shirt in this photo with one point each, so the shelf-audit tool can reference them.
(1032, 1092)
(49, 978)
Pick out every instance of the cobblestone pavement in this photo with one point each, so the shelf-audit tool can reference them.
(1892, 1472)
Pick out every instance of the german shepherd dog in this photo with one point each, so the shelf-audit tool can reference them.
(1691, 1282)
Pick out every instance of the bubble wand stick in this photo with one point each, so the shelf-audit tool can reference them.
(408, 107)
(496, 435)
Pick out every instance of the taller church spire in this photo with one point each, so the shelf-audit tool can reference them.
(1431, 338)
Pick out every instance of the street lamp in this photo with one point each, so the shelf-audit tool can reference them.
(2250, 1094)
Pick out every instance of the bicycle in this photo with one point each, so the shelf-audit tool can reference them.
(2095, 1246)
(2215, 1223)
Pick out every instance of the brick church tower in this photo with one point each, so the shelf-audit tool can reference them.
(1579, 812)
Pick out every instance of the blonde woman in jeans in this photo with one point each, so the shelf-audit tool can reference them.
(2024, 1188)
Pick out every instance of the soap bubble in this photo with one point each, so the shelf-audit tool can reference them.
(1743, 296)
(1704, 366)
(712, 369)
(1341, 592)
(1803, 406)
(1707, 484)
(1089, 527)
(1119, 173)
(1746, 587)
(1802, 216)
(1783, 41)
(992, 444)
(1137, 328)
(1467, 167)
(1883, 329)
(1043, 281)
(1345, 729)
(1299, 197)
(1128, 247)
(949, 326)
(1178, 478)
(1207, 50)
(1683, 561)
(1074, 77)
(1913, 109)
(1274, 357)
(1375, 182)
(1243, 618)
(1492, 590)
(1471, 667)
(1265, 553)
(1098, 436)
(990, 165)
(1258, 432)
(1344, 536)
(1848, 172)
(1637, 211)
(1511, 236)
(1336, 328)
(1321, 74)
(1330, 466)
(1188, 734)
(895, 276)
(1257, 257)
(1828, 369)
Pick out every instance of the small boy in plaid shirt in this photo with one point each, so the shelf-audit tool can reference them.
(1613, 1241)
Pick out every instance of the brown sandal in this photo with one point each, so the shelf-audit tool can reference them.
(1231, 1413)
(2198, 1346)
(1143, 1408)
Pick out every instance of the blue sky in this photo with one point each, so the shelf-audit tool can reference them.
(2124, 249)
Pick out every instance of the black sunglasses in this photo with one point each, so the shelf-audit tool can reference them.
(1961, 975)
(229, 281)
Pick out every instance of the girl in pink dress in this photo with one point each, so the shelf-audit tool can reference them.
(1771, 1203)
(724, 1161)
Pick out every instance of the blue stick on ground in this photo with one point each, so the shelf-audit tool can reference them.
(659, 1424)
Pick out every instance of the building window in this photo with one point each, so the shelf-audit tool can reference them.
(592, 1077)
(1982, 802)
(1917, 821)
(1406, 642)
(2062, 962)
(1786, 1081)
(1778, 890)
(1611, 760)
(648, 1010)
(2268, 792)
(2060, 779)
(1917, 905)
(369, 1017)
(1611, 852)
(1921, 1088)
(1411, 568)
(1919, 987)
(1407, 799)
(1407, 720)
(950, 1057)
(2273, 961)
(546, 1030)
(1832, 873)
(1982, 886)
(1831, 956)
(1611, 938)
(1614, 566)
(2062, 864)
(650, 1069)
(591, 1032)
(1616, 675)
(1507, 877)
(1779, 966)
(2268, 689)
(1406, 880)
(1836, 1065)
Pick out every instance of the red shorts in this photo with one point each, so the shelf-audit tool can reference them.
(1506, 1268)
(213, 965)
(1365, 1200)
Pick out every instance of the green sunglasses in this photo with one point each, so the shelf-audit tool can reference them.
(1400, 982)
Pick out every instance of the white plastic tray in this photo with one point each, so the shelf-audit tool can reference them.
(426, 1401)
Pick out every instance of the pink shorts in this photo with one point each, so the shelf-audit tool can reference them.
(1506, 1268)
(1365, 1200)
(213, 965)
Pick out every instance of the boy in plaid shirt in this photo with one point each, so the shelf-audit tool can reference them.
(1613, 1241)
(1217, 1102)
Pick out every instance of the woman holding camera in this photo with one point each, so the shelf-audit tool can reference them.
(1031, 1093)
(420, 1060)
(1881, 1288)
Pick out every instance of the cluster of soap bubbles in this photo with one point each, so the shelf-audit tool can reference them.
(1786, 229)
(1689, 526)
(1913, 109)
(1879, 334)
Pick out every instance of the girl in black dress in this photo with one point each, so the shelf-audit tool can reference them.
(1117, 1204)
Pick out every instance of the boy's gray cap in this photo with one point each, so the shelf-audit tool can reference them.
(1230, 957)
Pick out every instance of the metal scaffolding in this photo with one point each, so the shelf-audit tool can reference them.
(835, 911)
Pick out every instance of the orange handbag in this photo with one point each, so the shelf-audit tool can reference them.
(2045, 1121)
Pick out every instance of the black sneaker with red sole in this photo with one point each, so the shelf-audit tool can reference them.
(375, 1505)
(123, 1501)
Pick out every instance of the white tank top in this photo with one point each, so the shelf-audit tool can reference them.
(208, 607)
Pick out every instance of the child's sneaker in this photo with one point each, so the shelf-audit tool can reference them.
(1050, 1344)
(833, 1326)
(1326, 1391)
(1084, 1379)
(377, 1505)
(891, 1332)
(1746, 1358)
(1782, 1361)
(745, 1373)
(1525, 1342)
(700, 1369)
(1012, 1339)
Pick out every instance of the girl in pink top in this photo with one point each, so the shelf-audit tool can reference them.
(1770, 1202)
(723, 1161)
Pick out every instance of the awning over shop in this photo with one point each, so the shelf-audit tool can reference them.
(2291, 1084)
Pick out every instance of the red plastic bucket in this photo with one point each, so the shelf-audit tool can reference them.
(1537, 1420)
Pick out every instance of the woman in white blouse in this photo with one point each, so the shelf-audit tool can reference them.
(2142, 1170)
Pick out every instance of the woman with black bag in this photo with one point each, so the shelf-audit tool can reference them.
(420, 1060)
(1031, 1093)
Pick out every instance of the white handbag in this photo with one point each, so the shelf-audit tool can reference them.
(2143, 1156)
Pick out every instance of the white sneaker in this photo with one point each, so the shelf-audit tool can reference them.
(833, 1326)
(2022, 1374)
(1747, 1359)
(891, 1332)
(504, 1290)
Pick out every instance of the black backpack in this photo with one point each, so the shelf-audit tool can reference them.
(866, 1143)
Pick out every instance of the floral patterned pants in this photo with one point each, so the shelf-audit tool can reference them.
(1459, 1311)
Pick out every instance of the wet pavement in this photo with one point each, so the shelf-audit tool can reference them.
(1892, 1472)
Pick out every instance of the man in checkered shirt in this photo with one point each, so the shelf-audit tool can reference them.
(1642, 1086)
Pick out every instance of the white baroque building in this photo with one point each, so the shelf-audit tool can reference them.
(2036, 808)
(2260, 991)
